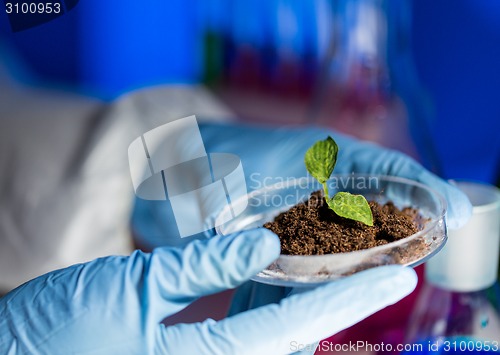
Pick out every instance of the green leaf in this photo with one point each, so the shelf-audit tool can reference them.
(352, 207)
(320, 159)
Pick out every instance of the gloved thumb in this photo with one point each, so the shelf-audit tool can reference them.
(126, 297)
(176, 277)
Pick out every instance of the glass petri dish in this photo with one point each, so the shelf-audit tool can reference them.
(298, 270)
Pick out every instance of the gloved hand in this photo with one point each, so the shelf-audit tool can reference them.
(278, 153)
(114, 305)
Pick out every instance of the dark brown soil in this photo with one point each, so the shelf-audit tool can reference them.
(311, 228)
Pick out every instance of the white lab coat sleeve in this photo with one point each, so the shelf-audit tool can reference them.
(65, 187)
(64, 196)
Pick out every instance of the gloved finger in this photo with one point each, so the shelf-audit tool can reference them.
(176, 277)
(297, 320)
(308, 349)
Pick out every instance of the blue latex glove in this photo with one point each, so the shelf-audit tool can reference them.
(114, 305)
(268, 154)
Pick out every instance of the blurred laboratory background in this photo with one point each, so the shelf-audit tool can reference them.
(418, 76)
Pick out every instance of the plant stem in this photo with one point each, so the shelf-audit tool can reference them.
(325, 190)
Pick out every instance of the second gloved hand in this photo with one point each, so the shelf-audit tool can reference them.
(270, 155)
(114, 305)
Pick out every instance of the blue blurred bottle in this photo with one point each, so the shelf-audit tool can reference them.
(453, 322)
(368, 86)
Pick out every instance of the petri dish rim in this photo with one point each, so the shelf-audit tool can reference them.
(438, 217)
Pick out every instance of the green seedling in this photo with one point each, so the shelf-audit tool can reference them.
(320, 161)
